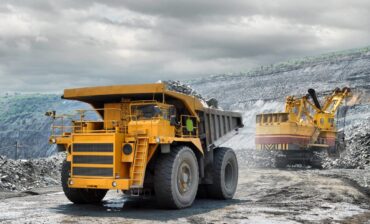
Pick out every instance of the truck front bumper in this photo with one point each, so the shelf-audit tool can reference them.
(99, 183)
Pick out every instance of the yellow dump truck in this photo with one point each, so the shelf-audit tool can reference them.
(146, 138)
(303, 131)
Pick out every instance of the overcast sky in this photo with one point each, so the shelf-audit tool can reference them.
(51, 45)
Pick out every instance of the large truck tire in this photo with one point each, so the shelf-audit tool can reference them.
(79, 195)
(176, 178)
(225, 174)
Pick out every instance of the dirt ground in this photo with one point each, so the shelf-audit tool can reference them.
(263, 196)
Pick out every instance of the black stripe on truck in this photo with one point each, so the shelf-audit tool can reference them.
(92, 171)
(96, 147)
(93, 159)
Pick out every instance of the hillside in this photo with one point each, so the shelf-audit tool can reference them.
(22, 120)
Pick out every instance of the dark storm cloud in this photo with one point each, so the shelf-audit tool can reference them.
(51, 45)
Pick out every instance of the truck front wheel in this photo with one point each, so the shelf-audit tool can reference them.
(78, 195)
(225, 174)
(176, 178)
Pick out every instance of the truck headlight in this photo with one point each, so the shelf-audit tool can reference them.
(157, 139)
(114, 184)
(127, 149)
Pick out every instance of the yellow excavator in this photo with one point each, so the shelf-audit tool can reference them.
(304, 130)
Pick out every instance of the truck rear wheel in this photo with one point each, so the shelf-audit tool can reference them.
(176, 178)
(78, 195)
(225, 174)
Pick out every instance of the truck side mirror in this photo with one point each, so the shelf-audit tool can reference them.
(173, 120)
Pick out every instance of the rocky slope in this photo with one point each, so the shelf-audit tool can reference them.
(357, 153)
(23, 123)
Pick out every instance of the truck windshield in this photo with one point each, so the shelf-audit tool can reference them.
(147, 111)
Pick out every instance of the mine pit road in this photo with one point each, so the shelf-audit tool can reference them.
(263, 196)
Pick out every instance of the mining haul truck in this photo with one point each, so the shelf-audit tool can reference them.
(305, 132)
(146, 139)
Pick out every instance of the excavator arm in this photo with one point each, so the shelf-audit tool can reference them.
(304, 107)
(333, 101)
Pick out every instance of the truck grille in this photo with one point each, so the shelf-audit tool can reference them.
(78, 161)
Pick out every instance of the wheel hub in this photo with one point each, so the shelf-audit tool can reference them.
(184, 180)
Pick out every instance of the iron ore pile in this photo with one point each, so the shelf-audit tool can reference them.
(22, 175)
(180, 87)
(357, 152)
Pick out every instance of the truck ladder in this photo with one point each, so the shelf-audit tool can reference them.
(125, 112)
(140, 160)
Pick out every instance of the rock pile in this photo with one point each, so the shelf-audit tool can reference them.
(357, 153)
(181, 88)
(21, 175)
(177, 86)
